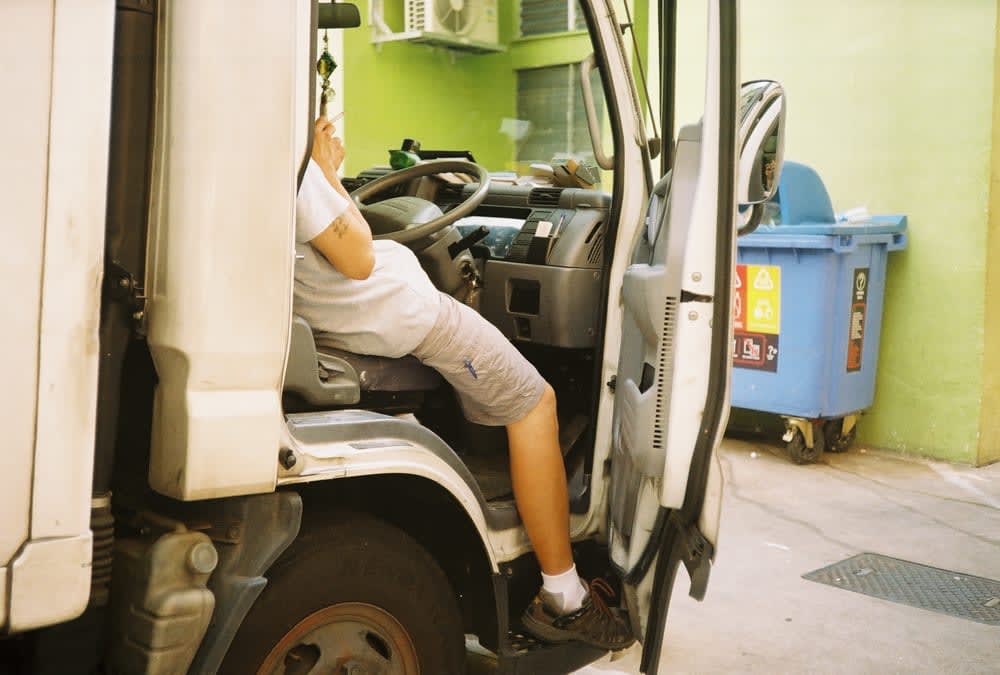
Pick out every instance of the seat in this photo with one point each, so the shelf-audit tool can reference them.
(324, 376)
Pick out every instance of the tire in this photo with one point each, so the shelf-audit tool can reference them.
(357, 586)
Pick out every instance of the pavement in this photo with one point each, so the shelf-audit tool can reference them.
(780, 521)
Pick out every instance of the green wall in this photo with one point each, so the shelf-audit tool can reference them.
(892, 102)
(989, 437)
(403, 90)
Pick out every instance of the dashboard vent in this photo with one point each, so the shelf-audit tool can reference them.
(352, 184)
(544, 197)
(451, 192)
(596, 253)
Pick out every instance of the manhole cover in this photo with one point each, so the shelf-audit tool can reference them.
(916, 585)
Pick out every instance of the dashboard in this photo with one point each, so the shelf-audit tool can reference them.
(542, 259)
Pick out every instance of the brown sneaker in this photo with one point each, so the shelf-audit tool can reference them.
(594, 623)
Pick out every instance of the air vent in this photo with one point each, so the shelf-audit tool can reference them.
(352, 184)
(664, 371)
(596, 253)
(451, 192)
(544, 197)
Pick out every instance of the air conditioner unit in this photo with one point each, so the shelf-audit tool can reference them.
(454, 22)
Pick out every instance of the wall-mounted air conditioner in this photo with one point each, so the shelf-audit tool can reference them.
(460, 24)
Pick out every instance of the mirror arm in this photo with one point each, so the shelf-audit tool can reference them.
(603, 161)
(756, 214)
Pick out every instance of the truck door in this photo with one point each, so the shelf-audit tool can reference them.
(672, 386)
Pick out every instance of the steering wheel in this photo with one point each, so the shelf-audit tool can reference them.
(409, 232)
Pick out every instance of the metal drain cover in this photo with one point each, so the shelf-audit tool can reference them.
(916, 585)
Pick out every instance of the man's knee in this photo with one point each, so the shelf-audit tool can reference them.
(544, 410)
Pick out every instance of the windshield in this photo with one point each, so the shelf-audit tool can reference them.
(498, 80)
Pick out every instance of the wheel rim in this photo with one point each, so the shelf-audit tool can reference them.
(350, 638)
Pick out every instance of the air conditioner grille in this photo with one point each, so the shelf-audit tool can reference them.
(416, 19)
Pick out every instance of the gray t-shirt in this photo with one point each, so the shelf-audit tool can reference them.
(387, 314)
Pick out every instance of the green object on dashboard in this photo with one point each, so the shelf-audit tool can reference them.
(400, 159)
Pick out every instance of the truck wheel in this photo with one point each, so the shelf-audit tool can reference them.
(358, 595)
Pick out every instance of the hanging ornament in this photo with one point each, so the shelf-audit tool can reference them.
(325, 66)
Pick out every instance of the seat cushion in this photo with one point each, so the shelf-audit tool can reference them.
(380, 373)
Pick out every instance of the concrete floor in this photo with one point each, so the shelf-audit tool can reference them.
(780, 521)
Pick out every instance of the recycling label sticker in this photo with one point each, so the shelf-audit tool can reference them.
(856, 327)
(757, 317)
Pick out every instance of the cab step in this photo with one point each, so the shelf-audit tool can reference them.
(524, 655)
(521, 654)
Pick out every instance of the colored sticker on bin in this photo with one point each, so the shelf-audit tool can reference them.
(757, 317)
(756, 351)
(740, 299)
(763, 305)
(856, 327)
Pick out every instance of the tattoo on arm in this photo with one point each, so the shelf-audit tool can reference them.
(338, 227)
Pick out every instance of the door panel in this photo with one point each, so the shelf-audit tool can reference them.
(672, 386)
(655, 423)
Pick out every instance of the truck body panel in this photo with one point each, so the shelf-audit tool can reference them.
(57, 178)
(230, 138)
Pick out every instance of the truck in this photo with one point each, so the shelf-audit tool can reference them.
(194, 483)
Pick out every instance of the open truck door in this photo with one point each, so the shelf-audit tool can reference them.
(672, 385)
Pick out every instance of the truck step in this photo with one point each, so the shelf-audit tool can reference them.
(524, 655)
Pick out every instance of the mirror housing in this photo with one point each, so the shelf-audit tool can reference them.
(338, 15)
(761, 140)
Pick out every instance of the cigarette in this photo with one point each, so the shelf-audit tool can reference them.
(337, 117)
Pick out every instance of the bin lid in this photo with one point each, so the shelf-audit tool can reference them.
(885, 224)
(806, 209)
(802, 196)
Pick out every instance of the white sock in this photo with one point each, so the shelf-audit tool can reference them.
(566, 589)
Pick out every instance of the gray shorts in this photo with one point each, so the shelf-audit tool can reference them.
(496, 385)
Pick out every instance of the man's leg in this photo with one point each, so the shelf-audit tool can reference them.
(563, 610)
(539, 478)
(498, 386)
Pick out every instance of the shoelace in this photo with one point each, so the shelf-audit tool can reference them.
(599, 590)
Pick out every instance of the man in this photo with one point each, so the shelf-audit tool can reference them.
(374, 298)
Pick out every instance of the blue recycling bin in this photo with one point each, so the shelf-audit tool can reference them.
(808, 309)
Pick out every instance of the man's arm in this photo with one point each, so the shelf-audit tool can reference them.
(346, 242)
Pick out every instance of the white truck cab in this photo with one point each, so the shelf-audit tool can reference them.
(194, 482)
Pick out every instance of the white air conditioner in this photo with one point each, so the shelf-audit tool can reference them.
(457, 22)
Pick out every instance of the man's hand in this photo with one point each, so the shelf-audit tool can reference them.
(327, 150)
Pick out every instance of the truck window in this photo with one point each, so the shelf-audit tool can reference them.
(512, 106)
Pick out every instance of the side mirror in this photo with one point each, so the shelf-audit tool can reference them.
(761, 140)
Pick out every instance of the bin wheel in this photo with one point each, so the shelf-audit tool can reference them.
(835, 441)
(798, 451)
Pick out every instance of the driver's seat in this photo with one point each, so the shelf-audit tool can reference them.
(325, 377)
